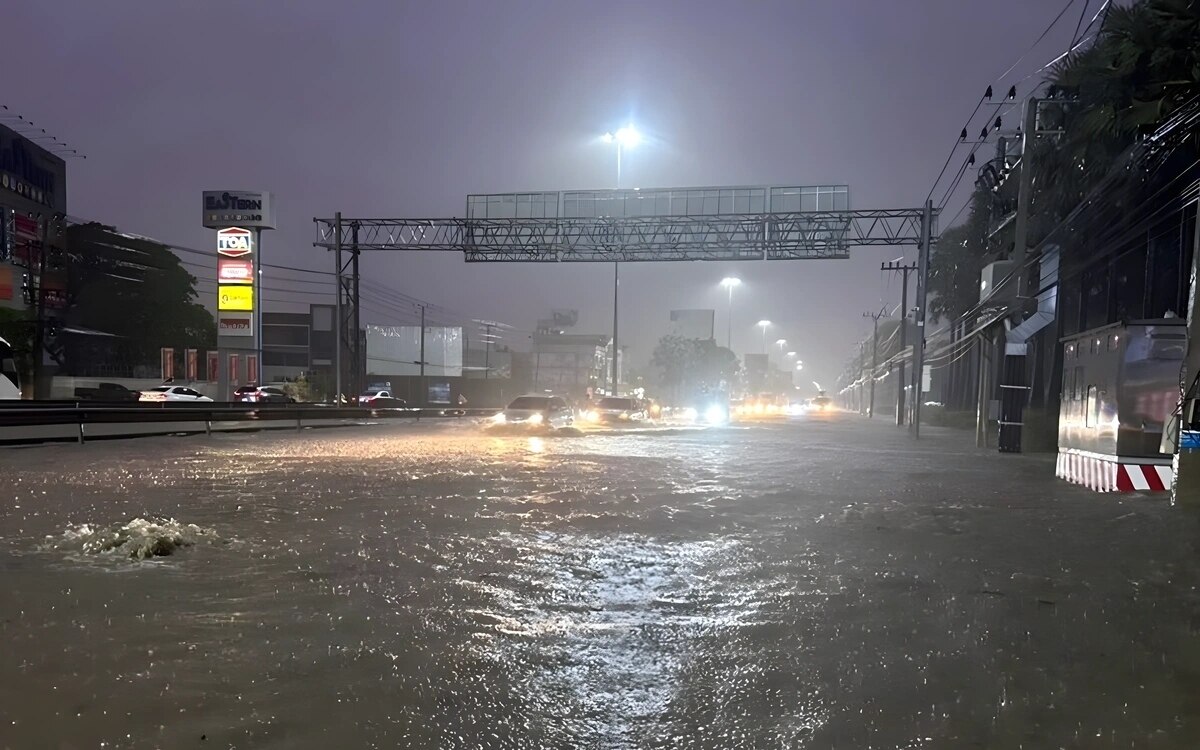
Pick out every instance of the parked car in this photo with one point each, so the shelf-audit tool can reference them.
(179, 393)
(109, 392)
(536, 411)
(262, 394)
(379, 398)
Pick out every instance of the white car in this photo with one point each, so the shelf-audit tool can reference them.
(536, 411)
(173, 393)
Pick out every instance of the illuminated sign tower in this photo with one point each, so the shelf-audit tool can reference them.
(239, 216)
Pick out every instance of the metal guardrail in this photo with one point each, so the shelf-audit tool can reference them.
(44, 421)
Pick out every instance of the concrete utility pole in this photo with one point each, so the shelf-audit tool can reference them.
(487, 351)
(615, 350)
(1013, 390)
(359, 363)
(904, 271)
(337, 311)
(918, 376)
(874, 357)
(424, 390)
(1186, 488)
(862, 377)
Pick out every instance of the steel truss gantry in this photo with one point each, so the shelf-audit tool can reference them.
(608, 236)
(788, 236)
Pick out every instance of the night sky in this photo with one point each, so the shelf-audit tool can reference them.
(402, 109)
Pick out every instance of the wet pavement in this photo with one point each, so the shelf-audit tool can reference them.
(799, 584)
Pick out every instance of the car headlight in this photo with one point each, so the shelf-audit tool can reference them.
(536, 419)
(592, 416)
(714, 415)
(690, 414)
(499, 418)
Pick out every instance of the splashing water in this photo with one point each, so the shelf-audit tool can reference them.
(138, 539)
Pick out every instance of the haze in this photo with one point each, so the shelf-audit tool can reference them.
(382, 109)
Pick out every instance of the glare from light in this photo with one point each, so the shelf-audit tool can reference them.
(537, 445)
(499, 418)
(791, 354)
(781, 342)
(714, 415)
(764, 323)
(731, 281)
(690, 414)
(591, 415)
(535, 419)
(628, 136)
(608, 138)
(799, 365)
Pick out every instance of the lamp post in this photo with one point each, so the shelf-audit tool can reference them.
(781, 343)
(729, 282)
(626, 137)
(764, 325)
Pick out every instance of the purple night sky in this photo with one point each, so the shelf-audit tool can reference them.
(403, 108)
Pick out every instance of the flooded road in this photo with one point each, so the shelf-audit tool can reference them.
(806, 584)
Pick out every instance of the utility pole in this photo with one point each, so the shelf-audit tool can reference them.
(1013, 390)
(862, 376)
(337, 314)
(1186, 487)
(918, 378)
(616, 286)
(874, 357)
(487, 351)
(424, 391)
(904, 271)
(356, 366)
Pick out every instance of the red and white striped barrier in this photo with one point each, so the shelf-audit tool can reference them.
(1113, 473)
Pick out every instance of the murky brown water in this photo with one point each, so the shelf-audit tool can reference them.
(806, 585)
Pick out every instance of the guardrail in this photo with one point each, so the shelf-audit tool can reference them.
(78, 421)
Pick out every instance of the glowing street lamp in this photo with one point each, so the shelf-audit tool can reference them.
(626, 137)
(729, 282)
(781, 343)
(764, 325)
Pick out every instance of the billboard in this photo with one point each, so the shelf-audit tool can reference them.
(238, 208)
(239, 298)
(235, 271)
(693, 324)
(235, 324)
(396, 350)
(235, 242)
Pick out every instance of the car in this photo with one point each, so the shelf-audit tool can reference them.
(262, 394)
(107, 392)
(379, 398)
(179, 393)
(536, 411)
(616, 409)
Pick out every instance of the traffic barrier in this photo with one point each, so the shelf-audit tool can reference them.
(1113, 473)
(23, 422)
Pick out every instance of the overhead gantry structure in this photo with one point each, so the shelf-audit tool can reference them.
(631, 225)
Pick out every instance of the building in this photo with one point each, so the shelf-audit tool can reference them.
(296, 344)
(571, 363)
(33, 206)
(693, 324)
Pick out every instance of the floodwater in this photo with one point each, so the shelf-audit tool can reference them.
(803, 584)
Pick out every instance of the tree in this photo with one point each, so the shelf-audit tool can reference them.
(135, 290)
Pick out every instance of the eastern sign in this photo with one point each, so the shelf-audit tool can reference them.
(235, 271)
(236, 298)
(243, 208)
(235, 324)
(235, 242)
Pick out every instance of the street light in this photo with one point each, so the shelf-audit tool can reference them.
(791, 354)
(626, 137)
(764, 325)
(799, 365)
(729, 282)
(782, 343)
